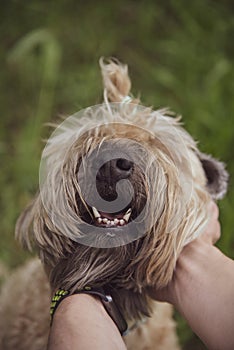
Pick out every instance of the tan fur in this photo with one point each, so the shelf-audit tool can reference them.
(24, 309)
(176, 202)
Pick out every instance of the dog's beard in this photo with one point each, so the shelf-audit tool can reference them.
(104, 206)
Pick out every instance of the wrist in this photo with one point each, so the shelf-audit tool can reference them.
(197, 263)
(203, 293)
(76, 303)
(79, 315)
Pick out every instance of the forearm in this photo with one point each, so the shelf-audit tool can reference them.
(81, 323)
(204, 294)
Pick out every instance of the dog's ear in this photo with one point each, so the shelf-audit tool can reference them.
(24, 226)
(35, 232)
(217, 176)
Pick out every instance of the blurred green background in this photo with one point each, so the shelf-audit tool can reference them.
(180, 54)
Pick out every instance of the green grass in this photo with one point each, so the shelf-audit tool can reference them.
(180, 55)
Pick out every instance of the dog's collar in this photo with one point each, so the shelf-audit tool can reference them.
(106, 299)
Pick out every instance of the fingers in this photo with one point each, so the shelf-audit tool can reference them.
(212, 231)
(213, 210)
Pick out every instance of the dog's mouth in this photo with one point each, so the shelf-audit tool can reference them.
(111, 220)
(98, 218)
(130, 195)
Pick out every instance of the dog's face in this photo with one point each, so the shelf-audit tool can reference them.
(123, 189)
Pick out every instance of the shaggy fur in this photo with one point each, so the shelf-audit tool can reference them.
(176, 205)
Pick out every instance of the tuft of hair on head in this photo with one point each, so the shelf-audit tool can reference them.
(116, 81)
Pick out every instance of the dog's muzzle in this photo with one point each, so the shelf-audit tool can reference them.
(117, 195)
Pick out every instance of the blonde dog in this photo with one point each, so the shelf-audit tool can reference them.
(122, 189)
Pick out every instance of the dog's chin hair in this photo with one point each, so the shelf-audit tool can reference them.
(175, 217)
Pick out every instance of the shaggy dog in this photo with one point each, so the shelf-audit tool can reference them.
(122, 189)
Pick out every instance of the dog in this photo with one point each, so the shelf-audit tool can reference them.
(123, 189)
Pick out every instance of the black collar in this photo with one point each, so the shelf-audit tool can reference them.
(106, 299)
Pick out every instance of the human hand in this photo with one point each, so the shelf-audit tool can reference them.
(212, 231)
(202, 287)
(189, 254)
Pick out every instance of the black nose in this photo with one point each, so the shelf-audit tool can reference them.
(115, 169)
(123, 165)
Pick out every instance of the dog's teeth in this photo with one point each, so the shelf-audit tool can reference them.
(129, 211)
(96, 213)
(115, 221)
(127, 215)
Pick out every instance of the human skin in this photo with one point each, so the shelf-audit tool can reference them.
(81, 323)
